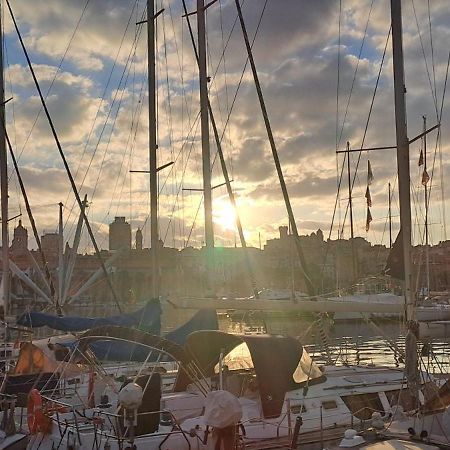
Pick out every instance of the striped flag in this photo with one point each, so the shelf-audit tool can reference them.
(368, 219)
(368, 197)
(369, 173)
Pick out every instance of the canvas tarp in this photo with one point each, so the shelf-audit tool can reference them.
(147, 318)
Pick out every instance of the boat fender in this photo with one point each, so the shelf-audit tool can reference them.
(37, 421)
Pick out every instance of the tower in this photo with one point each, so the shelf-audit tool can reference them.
(20, 239)
(119, 234)
(139, 239)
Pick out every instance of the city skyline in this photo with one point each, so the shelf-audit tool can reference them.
(296, 52)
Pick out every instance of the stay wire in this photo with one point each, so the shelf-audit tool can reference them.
(54, 77)
(336, 203)
(433, 93)
(66, 166)
(367, 122)
(99, 109)
(432, 49)
(355, 73)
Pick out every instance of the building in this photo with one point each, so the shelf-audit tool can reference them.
(20, 239)
(50, 245)
(119, 234)
(139, 239)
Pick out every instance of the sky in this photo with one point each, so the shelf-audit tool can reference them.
(318, 83)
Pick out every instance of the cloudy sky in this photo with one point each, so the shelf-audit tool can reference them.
(90, 58)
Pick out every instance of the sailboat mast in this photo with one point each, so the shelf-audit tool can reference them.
(154, 239)
(390, 214)
(402, 150)
(350, 205)
(60, 258)
(309, 285)
(4, 185)
(204, 120)
(425, 186)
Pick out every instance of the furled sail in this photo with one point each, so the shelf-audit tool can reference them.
(395, 265)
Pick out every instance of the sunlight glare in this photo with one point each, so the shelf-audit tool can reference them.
(225, 216)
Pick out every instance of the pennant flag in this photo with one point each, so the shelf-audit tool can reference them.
(395, 264)
(421, 158)
(425, 178)
(368, 220)
(368, 197)
(369, 173)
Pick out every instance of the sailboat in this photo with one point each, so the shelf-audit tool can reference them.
(272, 381)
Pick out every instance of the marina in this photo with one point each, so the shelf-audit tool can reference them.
(195, 127)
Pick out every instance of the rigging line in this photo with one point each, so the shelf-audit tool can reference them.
(355, 73)
(168, 111)
(54, 78)
(438, 139)
(127, 166)
(338, 75)
(91, 131)
(336, 206)
(227, 99)
(99, 172)
(432, 50)
(196, 122)
(112, 126)
(338, 180)
(195, 219)
(133, 96)
(368, 121)
(31, 218)
(66, 166)
(184, 164)
(241, 78)
(440, 152)
(12, 95)
(213, 78)
(131, 137)
(180, 63)
(426, 62)
(181, 184)
(336, 203)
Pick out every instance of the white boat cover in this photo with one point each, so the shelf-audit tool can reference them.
(222, 409)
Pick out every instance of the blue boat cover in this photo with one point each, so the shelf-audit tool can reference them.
(205, 319)
(147, 318)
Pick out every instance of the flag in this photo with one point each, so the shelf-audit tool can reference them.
(395, 264)
(368, 197)
(369, 219)
(421, 158)
(425, 178)
(369, 173)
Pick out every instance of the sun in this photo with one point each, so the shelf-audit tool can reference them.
(224, 215)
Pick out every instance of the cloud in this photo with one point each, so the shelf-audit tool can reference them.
(296, 54)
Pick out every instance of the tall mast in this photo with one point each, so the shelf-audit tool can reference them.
(350, 205)
(225, 173)
(310, 287)
(154, 239)
(425, 186)
(206, 155)
(4, 184)
(61, 276)
(390, 214)
(402, 150)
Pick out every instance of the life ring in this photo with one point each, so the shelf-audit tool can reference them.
(38, 422)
